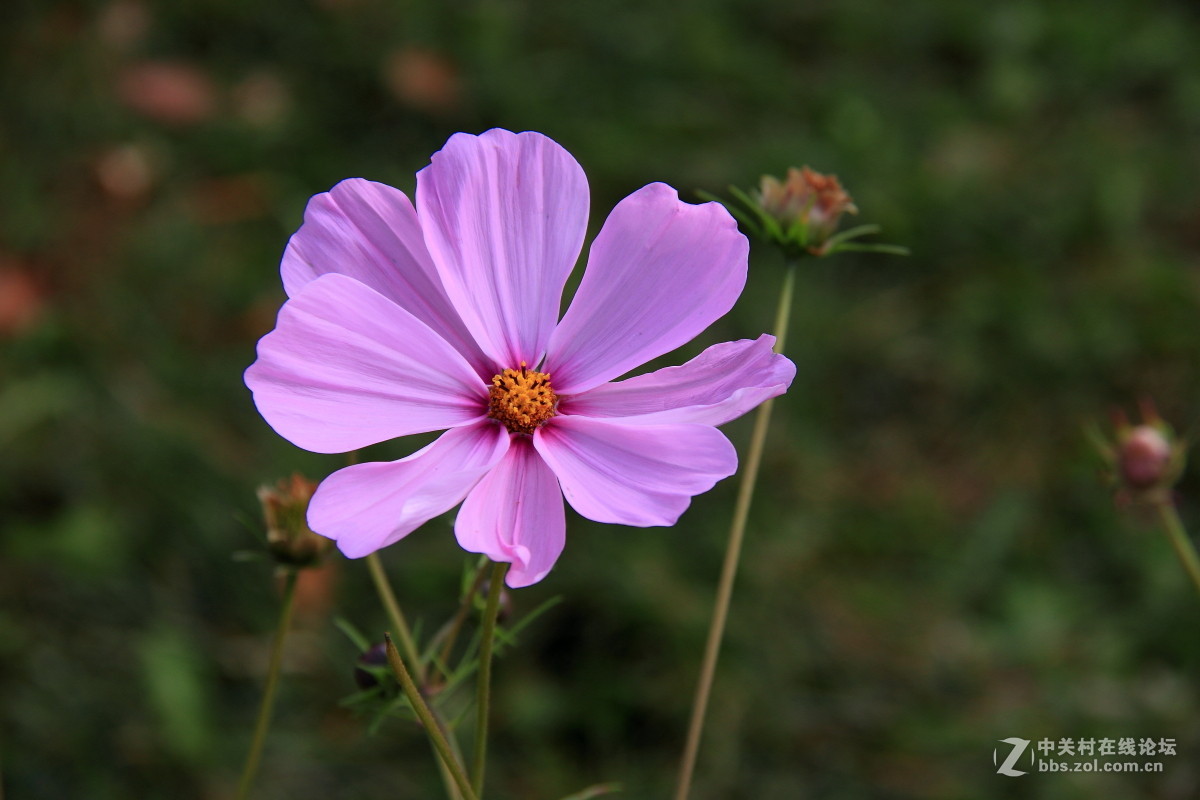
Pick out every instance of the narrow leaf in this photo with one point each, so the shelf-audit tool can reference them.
(595, 791)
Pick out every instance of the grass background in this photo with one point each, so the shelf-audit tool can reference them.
(932, 563)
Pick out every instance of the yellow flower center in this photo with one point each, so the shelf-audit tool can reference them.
(521, 399)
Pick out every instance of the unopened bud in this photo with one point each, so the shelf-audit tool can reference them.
(801, 214)
(285, 508)
(1144, 458)
(806, 203)
(371, 663)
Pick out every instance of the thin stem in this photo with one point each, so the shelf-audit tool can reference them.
(460, 616)
(1179, 538)
(783, 311)
(733, 551)
(484, 685)
(384, 589)
(268, 699)
(452, 791)
(447, 777)
(432, 729)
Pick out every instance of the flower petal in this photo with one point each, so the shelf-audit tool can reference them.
(659, 272)
(346, 367)
(370, 232)
(504, 216)
(369, 506)
(634, 475)
(720, 384)
(516, 514)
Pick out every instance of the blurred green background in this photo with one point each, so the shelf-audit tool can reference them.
(933, 564)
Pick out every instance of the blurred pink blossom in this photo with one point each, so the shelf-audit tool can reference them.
(22, 299)
(423, 79)
(176, 93)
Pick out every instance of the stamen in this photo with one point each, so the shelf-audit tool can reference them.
(521, 399)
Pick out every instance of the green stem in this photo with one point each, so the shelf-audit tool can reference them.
(388, 598)
(733, 551)
(484, 685)
(452, 791)
(460, 616)
(1179, 538)
(268, 699)
(432, 729)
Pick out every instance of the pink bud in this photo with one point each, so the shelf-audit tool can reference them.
(1144, 458)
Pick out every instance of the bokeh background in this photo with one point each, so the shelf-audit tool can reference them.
(934, 562)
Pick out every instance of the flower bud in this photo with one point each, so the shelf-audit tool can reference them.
(370, 663)
(801, 214)
(285, 507)
(807, 202)
(1146, 459)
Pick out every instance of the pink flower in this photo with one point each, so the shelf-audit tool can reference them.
(404, 320)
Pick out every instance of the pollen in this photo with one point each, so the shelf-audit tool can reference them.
(521, 399)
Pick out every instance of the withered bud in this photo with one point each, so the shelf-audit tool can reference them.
(800, 215)
(807, 204)
(285, 508)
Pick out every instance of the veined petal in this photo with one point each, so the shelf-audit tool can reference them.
(369, 506)
(720, 384)
(346, 367)
(369, 231)
(504, 216)
(516, 514)
(659, 272)
(637, 475)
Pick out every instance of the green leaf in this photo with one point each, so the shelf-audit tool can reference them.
(772, 229)
(797, 232)
(851, 233)
(893, 249)
(743, 197)
(531, 616)
(467, 581)
(595, 791)
(353, 634)
(470, 663)
(361, 697)
(397, 708)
